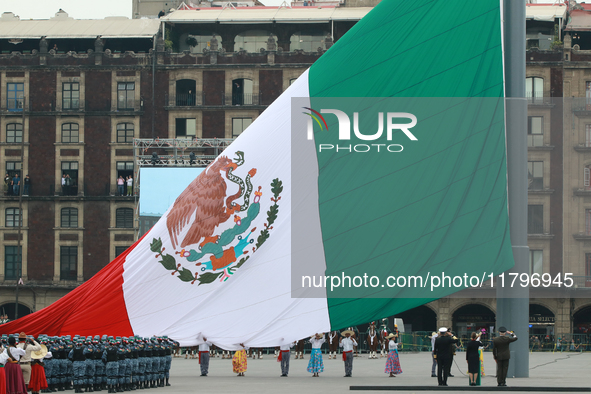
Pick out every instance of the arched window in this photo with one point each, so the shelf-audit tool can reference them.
(308, 41)
(124, 218)
(252, 40)
(70, 133)
(14, 133)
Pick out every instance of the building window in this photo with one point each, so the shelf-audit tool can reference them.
(69, 217)
(125, 132)
(12, 258)
(308, 41)
(186, 128)
(14, 133)
(124, 218)
(239, 125)
(197, 43)
(588, 135)
(242, 92)
(535, 175)
(124, 169)
(120, 249)
(70, 170)
(536, 265)
(70, 95)
(535, 219)
(587, 221)
(70, 133)
(68, 262)
(587, 177)
(125, 95)
(15, 95)
(252, 40)
(535, 131)
(534, 89)
(12, 217)
(13, 168)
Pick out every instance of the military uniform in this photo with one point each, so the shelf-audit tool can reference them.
(78, 358)
(121, 354)
(141, 363)
(111, 359)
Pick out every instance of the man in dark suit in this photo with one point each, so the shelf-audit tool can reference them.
(502, 354)
(443, 351)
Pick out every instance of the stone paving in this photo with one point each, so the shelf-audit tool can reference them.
(262, 376)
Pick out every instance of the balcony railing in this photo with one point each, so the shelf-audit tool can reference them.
(581, 104)
(241, 99)
(184, 100)
(582, 281)
(540, 98)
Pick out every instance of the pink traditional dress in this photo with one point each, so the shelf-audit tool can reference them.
(393, 362)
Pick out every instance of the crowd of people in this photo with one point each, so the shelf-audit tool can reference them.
(444, 345)
(85, 364)
(12, 185)
(346, 340)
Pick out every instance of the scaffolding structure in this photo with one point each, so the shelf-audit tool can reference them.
(172, 152)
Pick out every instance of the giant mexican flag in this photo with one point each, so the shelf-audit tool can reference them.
(225, 261)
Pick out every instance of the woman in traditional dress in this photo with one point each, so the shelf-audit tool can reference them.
(315, 365)
(239, 361)
(393, 361)
(38, 380)
(473, 359)
(15, 383)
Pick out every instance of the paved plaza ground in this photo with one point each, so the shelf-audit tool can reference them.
(546, 370)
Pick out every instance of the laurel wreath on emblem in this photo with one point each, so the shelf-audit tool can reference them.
(216, 249)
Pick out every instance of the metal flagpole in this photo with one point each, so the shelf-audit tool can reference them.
(513, 303)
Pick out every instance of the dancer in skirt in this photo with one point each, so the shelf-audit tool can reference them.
(315, 366)
(393, 362)
(38, 380)
(239, 362)
(15, 383)
(4, 359)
